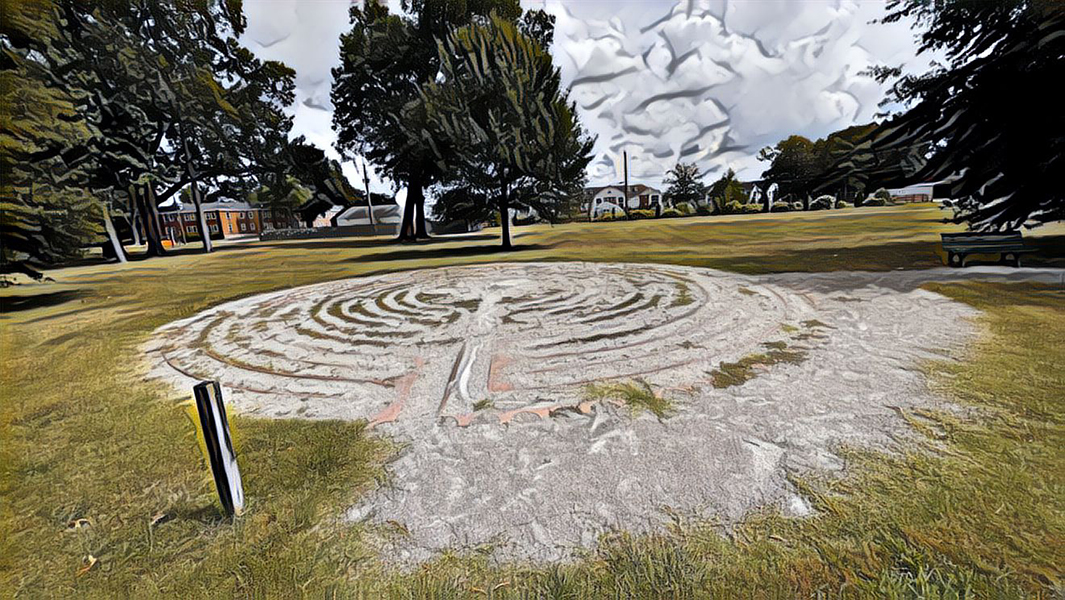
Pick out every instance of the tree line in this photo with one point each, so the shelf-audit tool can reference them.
(984, 123)
(119, 106)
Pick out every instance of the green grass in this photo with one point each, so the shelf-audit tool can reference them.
(976, 508)
(729, 374)
(637, 396)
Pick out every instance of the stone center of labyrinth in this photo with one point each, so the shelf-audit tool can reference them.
(466, 345)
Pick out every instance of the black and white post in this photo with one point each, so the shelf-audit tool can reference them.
(220, 451)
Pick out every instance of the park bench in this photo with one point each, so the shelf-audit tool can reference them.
(1009, 246)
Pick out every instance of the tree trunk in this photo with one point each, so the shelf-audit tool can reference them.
(504, 219)
(134, 216)
(112, 235)
(415, 197)
(201, 219)
(420, 232)
(150, 217)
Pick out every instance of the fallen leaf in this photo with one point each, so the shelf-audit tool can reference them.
(76, 524)
(159, 519)
(92, 563)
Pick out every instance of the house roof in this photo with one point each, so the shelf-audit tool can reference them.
(635, 189)
(188, 206)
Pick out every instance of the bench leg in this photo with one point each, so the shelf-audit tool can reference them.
(1011, 258)
(955, 259)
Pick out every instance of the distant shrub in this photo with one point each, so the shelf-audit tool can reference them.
(797, 206)
(685, 209)
(609, 217)
(752, 208)
(874, 201)
(783, 207)
(731, 208)
(704, 210)
(642, 214)
(670, 213)
(883, 194)
(842, 204)
(529, 220)
(823, 203)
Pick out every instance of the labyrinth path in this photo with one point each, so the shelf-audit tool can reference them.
(426, 346)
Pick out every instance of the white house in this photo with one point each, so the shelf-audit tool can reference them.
(357, 215)
(610, 199)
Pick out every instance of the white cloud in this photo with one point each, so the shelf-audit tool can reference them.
(306, 37)
(709, 81)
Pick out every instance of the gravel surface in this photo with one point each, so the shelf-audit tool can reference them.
(482, 372)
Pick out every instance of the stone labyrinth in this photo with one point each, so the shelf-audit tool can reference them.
(481, 372)
(469, 344)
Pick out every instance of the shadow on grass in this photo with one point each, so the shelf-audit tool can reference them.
(16, 303)
(321, 243)
(1049, 252)
(452, 252)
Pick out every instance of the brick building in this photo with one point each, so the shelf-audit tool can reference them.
(224, 220)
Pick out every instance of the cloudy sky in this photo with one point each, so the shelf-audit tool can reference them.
(703, 81)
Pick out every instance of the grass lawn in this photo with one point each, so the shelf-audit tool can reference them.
(95, 462)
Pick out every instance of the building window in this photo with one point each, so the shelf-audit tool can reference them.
(214, 228)
(190, 217)
(654, 198)
(190, 229)
(242, 227)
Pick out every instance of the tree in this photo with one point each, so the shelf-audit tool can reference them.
(499, 106)
(285, 195)
(726, 191)
(168, 95)
(794, 167)
(46, 214)
(986, 116)
(385, 60)
(683, 184)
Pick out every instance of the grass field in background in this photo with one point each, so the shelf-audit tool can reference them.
(94, 461)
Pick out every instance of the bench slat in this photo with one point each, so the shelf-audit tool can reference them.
(988, 247)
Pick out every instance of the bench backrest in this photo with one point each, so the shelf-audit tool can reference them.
(975, 239)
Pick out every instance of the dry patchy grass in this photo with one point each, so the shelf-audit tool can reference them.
(974, 510)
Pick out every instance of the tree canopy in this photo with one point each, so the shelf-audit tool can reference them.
(683, 184)
(500, 107)
(986, 119)
(163, 97)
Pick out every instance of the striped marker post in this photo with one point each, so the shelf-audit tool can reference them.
(220, 451)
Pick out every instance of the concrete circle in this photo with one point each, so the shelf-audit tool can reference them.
(482, 370)
(470, 344)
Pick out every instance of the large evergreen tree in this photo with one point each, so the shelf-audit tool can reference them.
(500, 107)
